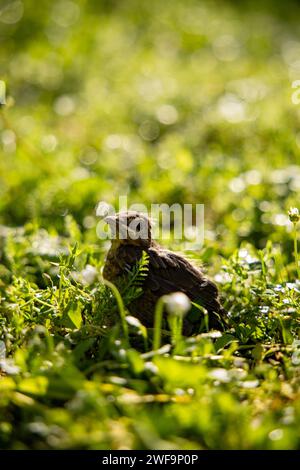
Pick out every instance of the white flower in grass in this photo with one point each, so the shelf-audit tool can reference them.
(294, 215)
(89, 274)
(177, 304)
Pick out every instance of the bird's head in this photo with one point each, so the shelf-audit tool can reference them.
(131, 228)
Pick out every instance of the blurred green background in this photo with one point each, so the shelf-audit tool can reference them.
(165, 101)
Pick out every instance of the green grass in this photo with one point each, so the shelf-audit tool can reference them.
(185, 102)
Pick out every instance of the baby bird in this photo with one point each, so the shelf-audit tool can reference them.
(167, 272)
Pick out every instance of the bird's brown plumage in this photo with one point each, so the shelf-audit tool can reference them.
(167, 272)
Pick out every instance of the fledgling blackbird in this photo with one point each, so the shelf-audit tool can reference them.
(168, 272)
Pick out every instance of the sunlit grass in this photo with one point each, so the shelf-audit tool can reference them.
(166, 102)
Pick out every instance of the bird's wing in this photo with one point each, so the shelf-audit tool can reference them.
(169, 272)
(172, 272)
